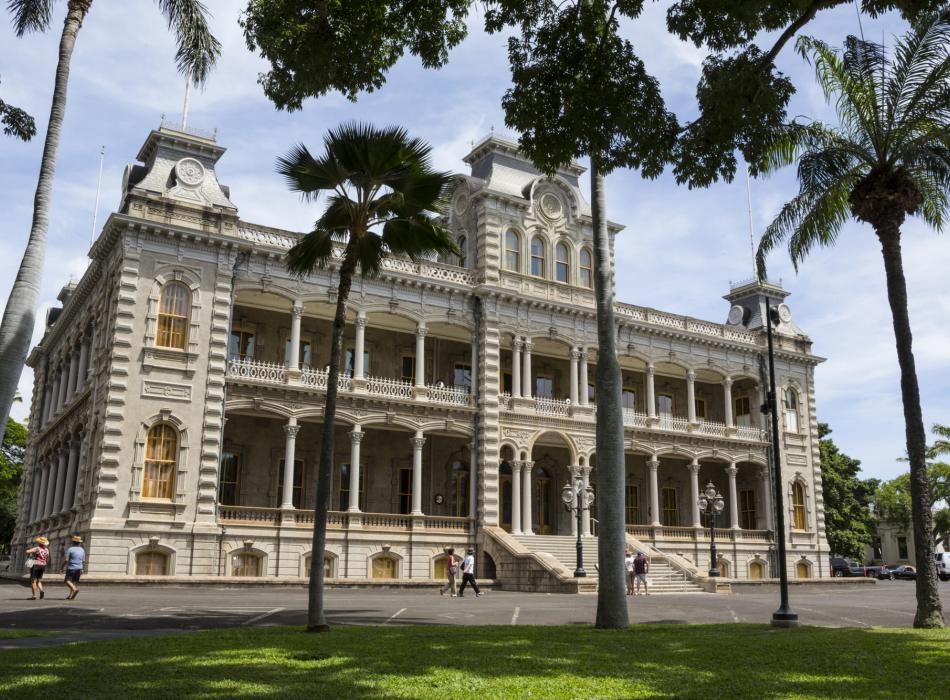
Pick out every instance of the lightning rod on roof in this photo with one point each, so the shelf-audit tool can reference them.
(95, 211)
(748, 194)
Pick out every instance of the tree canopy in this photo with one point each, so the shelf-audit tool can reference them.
(16, 122)
(848, 520)
(11, 470)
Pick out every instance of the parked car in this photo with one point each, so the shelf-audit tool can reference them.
(905, 572)
(943, 565)
(875, 571)
(842, 567)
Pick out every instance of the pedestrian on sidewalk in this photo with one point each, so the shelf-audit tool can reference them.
(451, 571)
(628, 565)
(73, 562)
(641, 567)
(468, 573)
(39, 556)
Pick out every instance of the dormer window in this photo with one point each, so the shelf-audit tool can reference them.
(513, 251)
(586, 269)
(562, 265)
(537, 257)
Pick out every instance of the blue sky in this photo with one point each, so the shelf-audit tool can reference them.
(679, 251)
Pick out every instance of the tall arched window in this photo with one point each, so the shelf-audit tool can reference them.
(798, 506)
(458, 505)
(463, 247)
(173, 316)
(586, 269)
(537, 257)
(562, 264)
(161, 462)
(513, 251)
(790, 400)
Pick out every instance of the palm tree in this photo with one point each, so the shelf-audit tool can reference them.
(381, 190)
(197, 52)
(941, 445)
(888, 157)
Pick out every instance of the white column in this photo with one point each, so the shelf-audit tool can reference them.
(651, 392)
(582, 389)
(293, 354)
(474, 371)
(63, 382)
(516, 367)
(359, 371)
(575, 356)
(47, 402)
(80, 469)
(527, 526)
(92, 350)
(35, 490)
(766, 497)
(69, 489)
(516, 497)
(45, 473)
(691, 396)
(290, 454)
(731, 470)
(421, 331)
(526, 379)
(694, 491)
(727, 398)
(55, 499)
(472, 480)
(356, 437)
(654, 465)
(83, 363)
(73, 374)
(585, 515)
(417, 442)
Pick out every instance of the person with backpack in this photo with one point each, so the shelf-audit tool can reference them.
(641, 567)
(451, 571)
(38, 558)
(468, 573)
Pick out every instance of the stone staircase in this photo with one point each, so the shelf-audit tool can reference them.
(664, 578)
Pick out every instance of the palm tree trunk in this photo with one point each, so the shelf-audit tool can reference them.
(612, 590)
(929, 610)
(19, 316)
(316, 613)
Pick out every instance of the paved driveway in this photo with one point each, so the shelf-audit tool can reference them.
(108, 611)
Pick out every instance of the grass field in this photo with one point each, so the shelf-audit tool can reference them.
(17, 634)
(720, 661)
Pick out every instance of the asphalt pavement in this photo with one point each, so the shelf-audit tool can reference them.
(111, 611)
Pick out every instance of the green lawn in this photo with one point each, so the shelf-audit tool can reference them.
(709, 661)
(17, 634)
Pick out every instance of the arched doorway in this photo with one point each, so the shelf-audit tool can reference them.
(552, 456)
(504, 489)
(542, 499)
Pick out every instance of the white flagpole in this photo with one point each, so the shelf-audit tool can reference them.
(95, 212)
(748, 193)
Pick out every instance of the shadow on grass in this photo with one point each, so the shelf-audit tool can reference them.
(491, 662)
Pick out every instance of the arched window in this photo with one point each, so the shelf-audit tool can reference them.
(537, 257)
(151, 563)
(802, 570)
(173, 316)
(385, 566)
(586, 269)
(161, 462)
(790, 401)
(562, 265)
(756, 571)
(513, 251)
(459, 497)
(245, 564)
(798, 506)
(329, 566)
(463, 247)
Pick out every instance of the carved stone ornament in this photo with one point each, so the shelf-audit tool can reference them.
(461, 204)
(550, 205)
(190, 172)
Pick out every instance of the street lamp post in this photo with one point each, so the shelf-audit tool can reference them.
(784, 616)
(585, 498)
(712, 504)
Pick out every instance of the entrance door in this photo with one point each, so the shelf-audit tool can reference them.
(505, 480)
(541, 481)
(384, 567)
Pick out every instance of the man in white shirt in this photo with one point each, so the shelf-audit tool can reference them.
(468, 573)
(628, 564)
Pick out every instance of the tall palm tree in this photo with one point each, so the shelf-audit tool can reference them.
(197, 52)
(381, 194)
(889, 156)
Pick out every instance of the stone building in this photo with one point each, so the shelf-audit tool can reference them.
(179, 390)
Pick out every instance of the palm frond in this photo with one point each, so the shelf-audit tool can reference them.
(313, 251)
(417, 237)
(920, 68)
(198, 49)
(30, 15)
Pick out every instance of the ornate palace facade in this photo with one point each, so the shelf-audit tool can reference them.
(179, 393)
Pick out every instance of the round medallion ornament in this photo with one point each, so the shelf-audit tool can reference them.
(784, 313)
(461, 204)
(736, 314)
(190, 172)
(550, 205)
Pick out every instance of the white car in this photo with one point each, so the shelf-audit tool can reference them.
(943, 565)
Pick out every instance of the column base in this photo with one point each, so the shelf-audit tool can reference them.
(358, 385)
(420, 393)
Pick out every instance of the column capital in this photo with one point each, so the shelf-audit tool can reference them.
(296, 310)
(576, 354)
(516, 344)
(691, 375)
(417, 442)
(356, 436)
(727, 381)
(361, 321)
(528, 464)
(291, 430)
(651, 369)
(75, 441)
(516, 466)
(732, 470)
(693, 467)
(421, 330)
(63, 451)
(527, 344)
(653, 463)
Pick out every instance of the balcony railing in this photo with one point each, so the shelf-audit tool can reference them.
(388, 388)
(635, 419)
(341, 520)
(451, 395)
(263, 372)
(317, 379)
(552, 407)
(649, 533)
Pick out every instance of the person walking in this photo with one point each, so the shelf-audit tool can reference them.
(451, 571)
(628, 565)
(73, 562)
(39, 556)
(641, 567)
(468, 573)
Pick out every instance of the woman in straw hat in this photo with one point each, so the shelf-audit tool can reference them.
(39, 555)
(73, 563)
